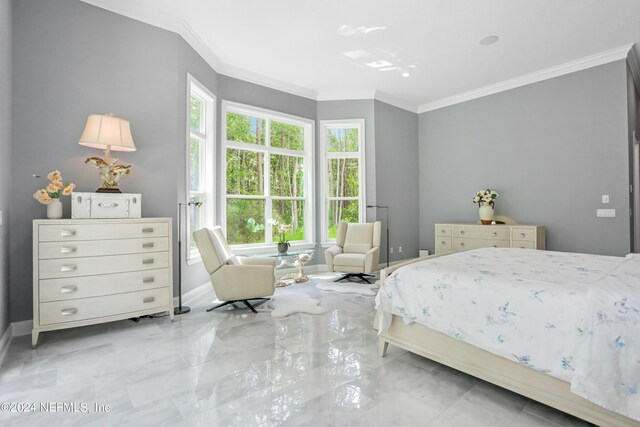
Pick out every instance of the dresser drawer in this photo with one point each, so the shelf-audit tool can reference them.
(110, 305)
(90, 266)
(482, 232)
(461, 244)
(85, 248)
(523, 234)
(106, 284)
(71, 232)
(523, 244)
(443, 242)
(443, 230)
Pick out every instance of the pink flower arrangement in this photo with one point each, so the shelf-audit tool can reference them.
(54, 190)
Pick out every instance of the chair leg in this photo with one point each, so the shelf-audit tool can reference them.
(233, 303)
(220, 305)
(362, 277)
(250, 306)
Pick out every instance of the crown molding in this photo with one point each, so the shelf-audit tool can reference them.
(270, 82)
(537, 76)
(179, 26)
(396, 102)
(633, 59)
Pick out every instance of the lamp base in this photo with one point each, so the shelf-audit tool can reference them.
(108, 190)
(181, 310)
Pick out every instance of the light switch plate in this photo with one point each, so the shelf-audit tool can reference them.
(606, 213)
(605, 198)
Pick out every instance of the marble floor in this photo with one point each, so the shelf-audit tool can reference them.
(233, 367)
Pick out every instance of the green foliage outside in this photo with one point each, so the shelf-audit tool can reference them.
(343, 178)
(246, 177)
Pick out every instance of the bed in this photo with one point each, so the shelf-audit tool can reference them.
(559, 328)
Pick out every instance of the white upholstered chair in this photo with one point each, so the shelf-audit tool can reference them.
(357, 250)
(234, 279)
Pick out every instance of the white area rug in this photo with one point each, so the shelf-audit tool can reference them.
(350, 288)
(288, 304)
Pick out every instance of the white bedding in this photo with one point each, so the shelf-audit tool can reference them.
(533, 307)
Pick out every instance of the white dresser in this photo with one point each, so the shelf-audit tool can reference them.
(88, 271)
(461, 237)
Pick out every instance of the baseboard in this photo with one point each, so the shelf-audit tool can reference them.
(22, 328)
(5, 342)
(193, 294)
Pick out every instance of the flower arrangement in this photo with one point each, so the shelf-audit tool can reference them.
(282, 230)
(54, 190)
(487, 196)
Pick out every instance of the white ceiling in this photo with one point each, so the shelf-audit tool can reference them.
(320, 48)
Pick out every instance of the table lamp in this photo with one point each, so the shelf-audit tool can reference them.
(107, 132)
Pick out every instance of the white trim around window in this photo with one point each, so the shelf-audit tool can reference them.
(326, 156)
(267, 150)
(204, 137)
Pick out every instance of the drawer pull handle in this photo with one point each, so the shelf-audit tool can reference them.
(495, 246)
(68, 311)
(148, 280)
(522, 234)
(67, 250)
(462, 232)
(67, 233)
(68, 289)
(444, 243)
(108, 205)
(147, 230)
(148, 261)
(462, 245)
(147, 245)
(495, 234)
(444, 231)
(67, 268)
(148, 299)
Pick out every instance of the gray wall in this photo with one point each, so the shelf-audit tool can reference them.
(397, 167)
(349, 109)
(551, 149)
(189, 62)
(5, 153)
(633, 106)
(64, 71)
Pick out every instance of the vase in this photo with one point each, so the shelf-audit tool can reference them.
(54, 209)
(283, 248)
(486, 214)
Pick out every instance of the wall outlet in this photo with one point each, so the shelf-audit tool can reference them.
(605, 198)
(400, 249)
(391, 249)
(606, 213)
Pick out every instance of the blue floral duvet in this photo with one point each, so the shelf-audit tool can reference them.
(572, 316)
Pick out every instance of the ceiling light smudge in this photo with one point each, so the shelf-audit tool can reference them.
(489, 40)
(350, 30)
(381, 63)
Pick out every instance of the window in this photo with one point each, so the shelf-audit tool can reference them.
(343, 174)
(268, 164)
(200, 161)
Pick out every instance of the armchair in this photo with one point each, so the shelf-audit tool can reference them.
(357, 250)
(234, 279)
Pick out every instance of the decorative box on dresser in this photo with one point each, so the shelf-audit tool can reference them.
(461, 237)
(91, 271)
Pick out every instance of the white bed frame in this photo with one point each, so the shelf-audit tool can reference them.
(489, 367)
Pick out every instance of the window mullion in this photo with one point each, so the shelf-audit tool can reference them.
(267, 183)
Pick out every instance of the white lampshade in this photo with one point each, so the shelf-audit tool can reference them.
(102, 131)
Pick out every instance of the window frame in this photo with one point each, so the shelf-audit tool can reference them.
(309, 161)
(325, 156)
(195, 87)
